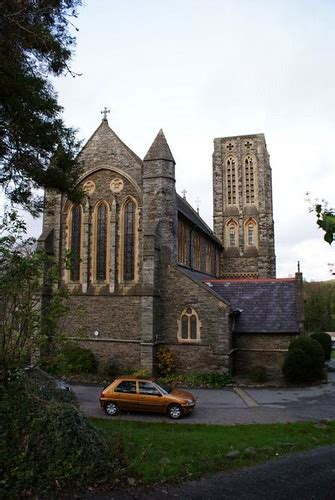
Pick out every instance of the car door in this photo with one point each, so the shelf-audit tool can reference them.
(126, 395)
(150, 398)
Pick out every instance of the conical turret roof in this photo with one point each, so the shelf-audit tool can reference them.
(159, 149)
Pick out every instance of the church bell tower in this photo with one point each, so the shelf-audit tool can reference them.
(243, 213)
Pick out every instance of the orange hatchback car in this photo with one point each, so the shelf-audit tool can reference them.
(133, 394)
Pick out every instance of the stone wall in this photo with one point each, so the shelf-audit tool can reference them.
(266, 350)
(213, 351)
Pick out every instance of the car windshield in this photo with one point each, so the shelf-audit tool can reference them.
(164, 388)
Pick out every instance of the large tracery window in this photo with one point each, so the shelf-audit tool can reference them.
(249, 180)
(75, 242)
(129, 241)
(189, 326)
(101, 243)
(231, 185)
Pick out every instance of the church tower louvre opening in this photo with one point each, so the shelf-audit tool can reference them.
(243, 212)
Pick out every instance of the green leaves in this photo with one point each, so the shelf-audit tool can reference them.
(326, 221)
(36, 148)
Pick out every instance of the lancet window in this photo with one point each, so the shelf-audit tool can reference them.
(129, 241)
(249, 180)
(231, 181)
(101, 242)
(189, 326)
(76, 223)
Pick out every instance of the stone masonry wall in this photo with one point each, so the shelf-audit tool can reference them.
(266, 350)
(253, 261)
(213, 351)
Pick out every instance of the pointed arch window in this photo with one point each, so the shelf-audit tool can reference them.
(232, 234)
(101, 243)
(129, 241)
(189, 326)
(76, 223)
(249, 180)
(250, 233)
(231, 184)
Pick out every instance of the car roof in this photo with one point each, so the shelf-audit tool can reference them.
(133, 379)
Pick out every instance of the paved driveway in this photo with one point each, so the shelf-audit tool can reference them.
(236, 405)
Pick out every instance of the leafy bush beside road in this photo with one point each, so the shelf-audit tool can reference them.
(304, 361)
(326, 342)
(49, 446)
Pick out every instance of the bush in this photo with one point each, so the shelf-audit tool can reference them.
(166, 362)
(73, 359)
(49, 446)
(304, 361)
(326, 342)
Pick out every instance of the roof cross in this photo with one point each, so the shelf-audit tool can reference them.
(104, 112)
(184, 193)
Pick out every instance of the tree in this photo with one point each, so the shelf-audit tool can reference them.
(36, 148)
(326, 221)
(24, 274)
(319, 306)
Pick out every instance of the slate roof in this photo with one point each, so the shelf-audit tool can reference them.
(159, 149)
(264, 305)
(188, 211)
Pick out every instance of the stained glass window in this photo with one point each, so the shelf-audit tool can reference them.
(101, 242)
(129, 241)
(75, 243)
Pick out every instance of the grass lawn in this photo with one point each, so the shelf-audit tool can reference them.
(162, 452)
(333, 353)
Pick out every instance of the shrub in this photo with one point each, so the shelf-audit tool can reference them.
(258, 374)
(49, 446)
(141, 373)
(325, 340)
(166, 362)
(304, 361)
(73, 359)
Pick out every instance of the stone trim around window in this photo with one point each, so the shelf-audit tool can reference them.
(189, 326)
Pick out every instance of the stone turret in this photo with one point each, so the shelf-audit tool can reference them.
(159, 197)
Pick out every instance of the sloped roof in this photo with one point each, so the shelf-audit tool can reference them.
(104, 132)
(159, 149)
(265, 305)
(187, 211)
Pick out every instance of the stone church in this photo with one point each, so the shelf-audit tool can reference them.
(148, 273)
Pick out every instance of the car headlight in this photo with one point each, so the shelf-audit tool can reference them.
(189, 402)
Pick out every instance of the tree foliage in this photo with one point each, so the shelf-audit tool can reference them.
(319, 306)
(326, 221)
(36, 148)
(24, 274)
(304, 361)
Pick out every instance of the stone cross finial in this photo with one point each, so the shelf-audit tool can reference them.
(184, 193)
(104, 112)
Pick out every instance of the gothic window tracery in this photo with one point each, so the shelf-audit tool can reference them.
(249, 180)
(231, 181)
(101, 242)
(129, 241)
(76, 223)
(189, 326)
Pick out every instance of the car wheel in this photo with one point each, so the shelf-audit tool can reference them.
(111, 408)
(175, 411)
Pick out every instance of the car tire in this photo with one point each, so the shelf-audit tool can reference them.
(175, 412)
(111, 408)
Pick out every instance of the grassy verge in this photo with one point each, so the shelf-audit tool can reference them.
(159, 452)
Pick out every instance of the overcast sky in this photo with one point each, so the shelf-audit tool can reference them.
(215, 68)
